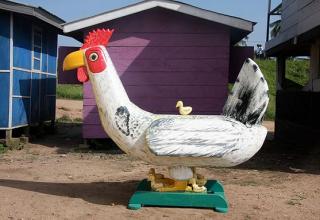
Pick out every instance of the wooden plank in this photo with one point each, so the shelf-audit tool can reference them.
(5, 41)
(299, 17)
(315, 61)
(238, 55)
(165, 52)
(287, 23)
(309, 10)
(22, 43)
(43, 99)
(35, 94)
(290, 10)
(21, 83)
(302, 122)
(4, 99)
(21, 110)
(169, 65)
(50, 108)
(162, 105)
(287, 3)
(212, 105)
(92, 117)
(173, 78)
(90, 102)
(165, 91)
(169, 39)
(160, 20)
(66, 77)
(51, 85)
(168, 79)
(93, 131)
(88, 109)
(44, 65)
(281, 72)
(290, 16)
(310, 22)
(52, 38)
(304, 3)
(298, 12)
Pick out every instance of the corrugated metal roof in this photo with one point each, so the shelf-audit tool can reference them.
(234, 22)
(37, 12)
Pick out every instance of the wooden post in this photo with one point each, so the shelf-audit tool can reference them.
(268, 21)
(8, 136)
(315, 61)
(52, 126)
(280, 79)
(314, 77)
(281, 72)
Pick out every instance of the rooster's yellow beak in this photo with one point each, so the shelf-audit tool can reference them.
(74, 60)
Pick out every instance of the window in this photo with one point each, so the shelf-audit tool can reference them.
(37, 49)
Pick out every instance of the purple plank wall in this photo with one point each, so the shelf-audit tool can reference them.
(67, 77)
(237, 57)
(164, 56)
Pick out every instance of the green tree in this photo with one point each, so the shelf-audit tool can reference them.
(275, 28)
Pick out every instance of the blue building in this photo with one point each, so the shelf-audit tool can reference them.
(28, 65)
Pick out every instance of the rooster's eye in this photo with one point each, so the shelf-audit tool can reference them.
(93, 57)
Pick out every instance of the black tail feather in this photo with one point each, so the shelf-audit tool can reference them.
(248, 100)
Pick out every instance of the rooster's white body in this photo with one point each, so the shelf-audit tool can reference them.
(181, 142)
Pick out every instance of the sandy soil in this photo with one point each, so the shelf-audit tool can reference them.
(69, 108)
(54, 178)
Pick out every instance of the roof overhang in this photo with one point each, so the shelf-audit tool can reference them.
(231, 21)
(37, 12)
(297, 46)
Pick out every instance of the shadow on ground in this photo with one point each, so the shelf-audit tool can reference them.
(103, 193)
(286, 157)
(67, 137)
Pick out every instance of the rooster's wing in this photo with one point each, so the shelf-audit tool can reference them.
(213, 136)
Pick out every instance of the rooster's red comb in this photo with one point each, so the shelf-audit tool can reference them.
(97, 37)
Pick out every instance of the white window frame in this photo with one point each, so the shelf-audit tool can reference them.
(36, 29)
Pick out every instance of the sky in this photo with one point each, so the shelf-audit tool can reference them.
(70, 10)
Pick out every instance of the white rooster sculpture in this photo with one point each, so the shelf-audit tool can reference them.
(179, 142)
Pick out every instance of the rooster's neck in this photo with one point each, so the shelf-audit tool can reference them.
(123, 121)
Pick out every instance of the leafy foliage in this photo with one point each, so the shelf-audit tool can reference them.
(275, 28)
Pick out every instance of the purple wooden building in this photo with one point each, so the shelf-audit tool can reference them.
(166, 51)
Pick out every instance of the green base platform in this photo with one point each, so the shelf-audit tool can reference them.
(214, 198)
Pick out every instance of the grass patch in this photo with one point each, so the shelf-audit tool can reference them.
(3, 148)
(249, 182)
(297, 72)
(268, 68)
(67, 119)
(70, 92)
(296, 200)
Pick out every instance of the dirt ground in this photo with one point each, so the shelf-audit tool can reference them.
(55, 177)
(69, 108)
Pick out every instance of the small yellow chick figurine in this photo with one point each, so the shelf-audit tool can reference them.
(183, 110)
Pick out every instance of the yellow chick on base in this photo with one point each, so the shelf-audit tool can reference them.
(183, 110)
